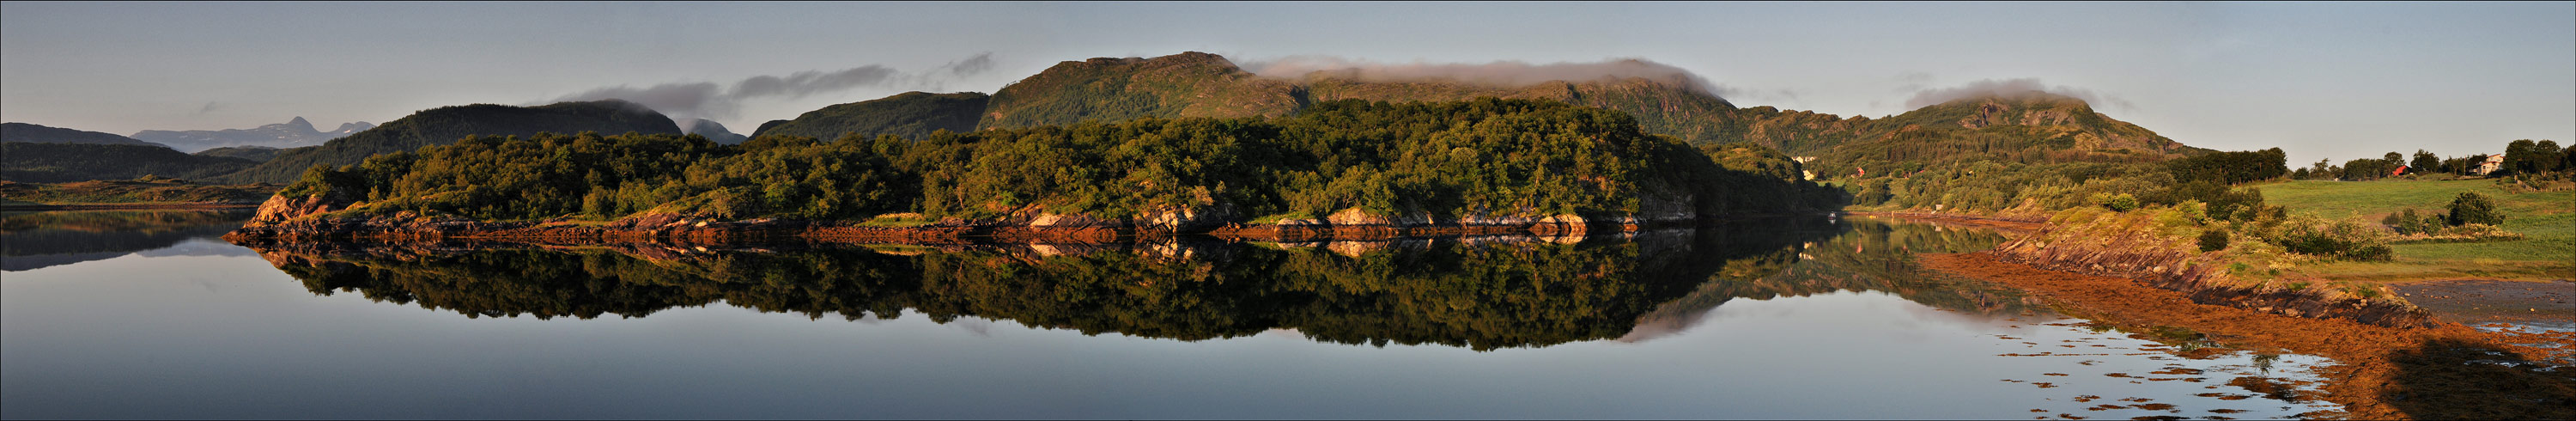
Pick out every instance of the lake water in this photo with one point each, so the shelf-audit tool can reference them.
(145, 314)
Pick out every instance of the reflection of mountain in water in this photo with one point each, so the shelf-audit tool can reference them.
(1477, 292)
(1864, 255)
(30, 240)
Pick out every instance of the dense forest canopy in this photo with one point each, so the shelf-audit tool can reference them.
(1483, 158)
(912, 115)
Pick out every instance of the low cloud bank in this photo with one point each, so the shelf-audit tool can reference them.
(2009, 87)
(686, 101)
(1498, 73)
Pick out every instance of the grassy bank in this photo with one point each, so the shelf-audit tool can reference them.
(2547, 220)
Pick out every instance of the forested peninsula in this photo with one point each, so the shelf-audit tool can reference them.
(1337, 168)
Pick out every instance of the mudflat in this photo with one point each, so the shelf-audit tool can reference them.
(2449, 371)
(2480, 301)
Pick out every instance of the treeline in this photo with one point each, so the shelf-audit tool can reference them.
(2000, 185)
(2521, 157)
(1487, 157)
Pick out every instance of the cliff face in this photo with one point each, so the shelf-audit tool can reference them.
(279, 208)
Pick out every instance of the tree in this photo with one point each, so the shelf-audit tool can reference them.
(2545, 156)
(2425, 162)
(2518, 156)
(2473, 208)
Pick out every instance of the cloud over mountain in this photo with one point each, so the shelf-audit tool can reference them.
(689, 100)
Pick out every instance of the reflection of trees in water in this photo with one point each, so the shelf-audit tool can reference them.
(1448, 292)
(1860, 255)
(1480, 293)
(33, 240)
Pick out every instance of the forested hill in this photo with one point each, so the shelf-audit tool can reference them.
(68, 162)
(1196, 84)
(32, 133)
(2028, 128)
(1478, 159)
(1190, 84)
(445, 125)
(909, 114)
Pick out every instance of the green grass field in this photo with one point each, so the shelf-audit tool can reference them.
(2546, 220)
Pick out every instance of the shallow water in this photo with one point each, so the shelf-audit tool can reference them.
(1810, 319)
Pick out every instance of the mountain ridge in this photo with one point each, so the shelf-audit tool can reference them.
(445, 125)
(38, 133)
(296, 132)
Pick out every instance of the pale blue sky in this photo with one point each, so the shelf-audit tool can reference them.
(2338, 80)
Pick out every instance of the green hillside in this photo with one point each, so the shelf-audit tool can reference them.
(445, 125)
(69, 162)
(1191, 84)
(253, 153)
(910, 114)
(32, 133)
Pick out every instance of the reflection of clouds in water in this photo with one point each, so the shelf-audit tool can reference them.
(200, 246)
(1284, 332)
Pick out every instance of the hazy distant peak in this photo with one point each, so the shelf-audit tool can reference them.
(352, 127)
(294, 132)
(712, 130)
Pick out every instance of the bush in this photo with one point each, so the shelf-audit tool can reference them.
(2123, 202)
(2213, 240)
(2348, 239)
(2473, 208)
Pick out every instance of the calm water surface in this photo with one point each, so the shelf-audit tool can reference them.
(146, 314)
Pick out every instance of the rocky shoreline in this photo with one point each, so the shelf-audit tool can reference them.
(284, 220)
(2177, 272)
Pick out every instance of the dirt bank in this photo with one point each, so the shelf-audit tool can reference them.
(1976, 221)
(2447, 371)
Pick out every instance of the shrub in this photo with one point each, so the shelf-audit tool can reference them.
(2213, 240)
(2473, 208)
(2123, 202)
(2411, 223)
(2347, 239)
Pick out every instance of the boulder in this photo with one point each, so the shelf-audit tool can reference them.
(1052, 220)
(1355, 216)
(280, 208)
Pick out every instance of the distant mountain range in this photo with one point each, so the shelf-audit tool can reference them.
(293, 133)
